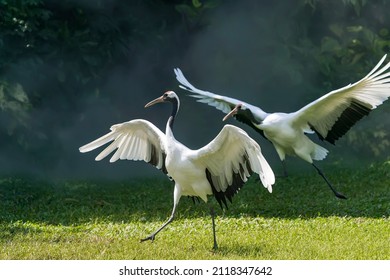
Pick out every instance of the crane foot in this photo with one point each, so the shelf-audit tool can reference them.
(340, 195)
(150, 237)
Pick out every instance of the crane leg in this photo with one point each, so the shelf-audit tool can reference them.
(212, 212)
(337, 194)
(153, 235)
(285, 173)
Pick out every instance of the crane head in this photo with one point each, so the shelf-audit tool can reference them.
(168, 96)
(235, 111)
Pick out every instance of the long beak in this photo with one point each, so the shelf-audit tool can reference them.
(232, 112)
(155, 101)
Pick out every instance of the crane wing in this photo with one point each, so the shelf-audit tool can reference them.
(332, 115)
(230, 159)
(134, 140)
(222, 103)
(225, 104)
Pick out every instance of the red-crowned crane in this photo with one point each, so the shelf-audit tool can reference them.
(330, 116)
(220, 168)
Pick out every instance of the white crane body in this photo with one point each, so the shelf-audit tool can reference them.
(220, 168)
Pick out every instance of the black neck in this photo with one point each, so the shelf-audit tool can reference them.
(248, 118)
(248, 114)
(175, 109)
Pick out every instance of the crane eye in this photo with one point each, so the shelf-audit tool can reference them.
(168, 94)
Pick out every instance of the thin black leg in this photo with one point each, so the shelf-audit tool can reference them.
(337, 194)
(285, 173)
(212, 212)
(153, 235)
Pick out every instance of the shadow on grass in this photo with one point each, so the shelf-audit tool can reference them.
(72, 203)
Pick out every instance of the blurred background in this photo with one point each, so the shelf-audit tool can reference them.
(70, 69)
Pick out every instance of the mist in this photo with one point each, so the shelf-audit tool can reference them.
(238, 52)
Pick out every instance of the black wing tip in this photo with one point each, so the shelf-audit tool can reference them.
(154, 158)
(219, 196)
(237, 183)
(348, 118)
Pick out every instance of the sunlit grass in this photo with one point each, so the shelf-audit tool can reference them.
(102, 220)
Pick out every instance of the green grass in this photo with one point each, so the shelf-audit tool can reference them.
(301, 219)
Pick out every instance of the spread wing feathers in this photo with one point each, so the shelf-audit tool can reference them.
(222, 103)
(133, 140)
(230, 159)
(332, 115)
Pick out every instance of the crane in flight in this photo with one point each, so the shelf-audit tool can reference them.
(220, 168)
(330, 116)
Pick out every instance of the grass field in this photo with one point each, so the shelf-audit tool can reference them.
(301, 219)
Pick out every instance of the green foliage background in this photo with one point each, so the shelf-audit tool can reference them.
(54, 55)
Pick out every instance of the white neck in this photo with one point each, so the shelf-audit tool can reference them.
(168, 128)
